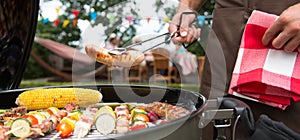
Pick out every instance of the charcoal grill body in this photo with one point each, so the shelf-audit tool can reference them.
(183, 128)
(18, 20)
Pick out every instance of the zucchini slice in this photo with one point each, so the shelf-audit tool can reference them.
(105, 120)
(20, 127)
(105, 123)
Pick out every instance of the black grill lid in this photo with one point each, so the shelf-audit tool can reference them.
(18, 20)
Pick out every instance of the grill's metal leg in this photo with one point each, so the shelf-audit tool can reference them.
(220, 117)
(221, 135)
(220, 127)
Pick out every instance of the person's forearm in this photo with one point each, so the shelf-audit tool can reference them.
(191, 4)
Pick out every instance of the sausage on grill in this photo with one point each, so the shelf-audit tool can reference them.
(102, 55)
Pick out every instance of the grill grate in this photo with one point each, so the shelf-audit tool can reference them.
(93, 134)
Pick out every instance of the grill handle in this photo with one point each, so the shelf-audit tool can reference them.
(241, 109)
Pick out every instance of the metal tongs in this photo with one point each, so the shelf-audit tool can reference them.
(168, 38)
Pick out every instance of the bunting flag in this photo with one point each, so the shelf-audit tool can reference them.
(166, 20)
(129, 18)
(75, 12)
(148, 19)
(65, 24)
(45, 20)
(93, 16)
(57, 10)
(75, 22)
(112, 19)
(201, 20)
(56, 22)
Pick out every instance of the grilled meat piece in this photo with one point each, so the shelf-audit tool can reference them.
(3, 130)
(9, 114)
(70, 107)
(173, 112)
(20, 109)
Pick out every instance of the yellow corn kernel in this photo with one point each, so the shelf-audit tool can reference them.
(57, 97)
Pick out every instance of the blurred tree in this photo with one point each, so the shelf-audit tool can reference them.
(69, 33)
(207, 7)
(110, 13)
(75, 10)
(104, 11)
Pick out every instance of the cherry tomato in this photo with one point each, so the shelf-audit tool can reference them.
(65, 129)
(138, 125)
(32, 119)
(40, 117)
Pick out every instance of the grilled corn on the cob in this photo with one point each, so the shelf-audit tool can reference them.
(57, 97)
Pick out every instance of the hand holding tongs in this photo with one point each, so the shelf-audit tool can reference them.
(168, 38)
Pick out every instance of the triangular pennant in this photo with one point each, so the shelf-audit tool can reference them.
(75, 12)
(45, 20)
(57, 10)
(129, 19)
(112, 19)
(148, 19)
(166, 20)
(93, 16)
(201, 20)
(65, 24)
(56, 22)
(75, 22)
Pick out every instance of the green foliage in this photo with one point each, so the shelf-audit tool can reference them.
(30, 84)
(104, 8)
(33, 69)
(207, 7)
(65, 35)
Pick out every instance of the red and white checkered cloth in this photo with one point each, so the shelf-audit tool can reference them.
(263, 73)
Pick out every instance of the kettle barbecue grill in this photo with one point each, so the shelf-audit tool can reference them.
(18, 20)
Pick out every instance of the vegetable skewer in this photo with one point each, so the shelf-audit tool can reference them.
(105, 120)
(12, 130)
(84, 124)
(122, 122)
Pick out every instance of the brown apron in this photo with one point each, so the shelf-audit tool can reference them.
(230, 17)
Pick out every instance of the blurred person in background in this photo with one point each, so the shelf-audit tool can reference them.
(137, 40)
(229, 20)
(112, 42)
